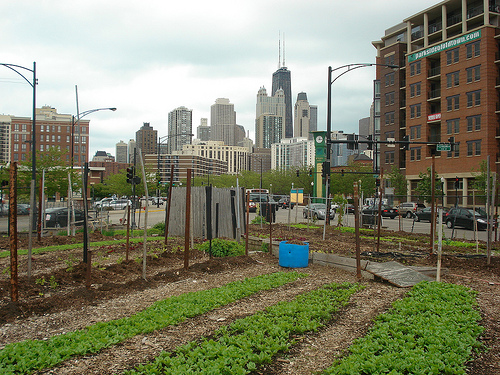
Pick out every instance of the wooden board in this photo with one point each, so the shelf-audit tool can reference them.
(396, 273)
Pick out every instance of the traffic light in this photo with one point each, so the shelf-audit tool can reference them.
(406, 143)
(457, 183)
(310, 172)
(369, 145)
(298, 173)
(377, 182)
(342, 172)
(451, 140)
(130, 175)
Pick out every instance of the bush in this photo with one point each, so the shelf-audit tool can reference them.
(160, 227)
(223, 248)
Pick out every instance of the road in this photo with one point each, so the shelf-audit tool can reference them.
(283, 216)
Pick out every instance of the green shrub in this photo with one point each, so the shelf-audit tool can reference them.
(160, 227)
(222, 248)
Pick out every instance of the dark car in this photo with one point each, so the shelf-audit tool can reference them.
(466, 218)
(386, 211)
(425, 214)
(285, 203)
(58, 217)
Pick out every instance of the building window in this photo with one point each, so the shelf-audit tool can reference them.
(473, 123)
(473, 49)
(473, 98)
(473, 73)
(456, 150)
(474, 148)
(16, 147)
(415, 89)
(389, 157)
(453, 126)
(452, 79)
(452, 56)
(415, 110)
(415, 68)
(41, 148)
(23, 147)
(16, 137)
(389, 79)
(389, 60)
(16, 127)
(23, 127)
(415, 132)
(416, 154)
(41, 128)
(389, 98)
(389, 118)
(453, 102)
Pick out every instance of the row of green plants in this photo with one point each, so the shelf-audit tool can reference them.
(254, 340)
(433, 330)
(27, 356)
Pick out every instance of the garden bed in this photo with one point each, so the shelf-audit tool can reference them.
(62, 303)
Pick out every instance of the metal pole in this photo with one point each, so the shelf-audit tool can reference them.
(167, 214)
(356, 230)
(433, 206)
(14, 282)
(488, 212)
(188, 219)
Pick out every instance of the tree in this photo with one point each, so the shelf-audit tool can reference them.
(56, 173)
(423, 188)
(398, 181)
(481, 179)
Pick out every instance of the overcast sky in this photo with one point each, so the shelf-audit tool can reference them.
(149, 57)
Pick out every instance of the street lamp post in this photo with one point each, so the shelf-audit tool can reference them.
(347, 68)
(32, 219)
(84, 170)
(161, 140)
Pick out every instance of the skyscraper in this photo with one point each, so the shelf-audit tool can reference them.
(282, 80)
(223, 122)
(121, 152)
(180, 128)
(203, 130)
(146, 139)
(302, 117)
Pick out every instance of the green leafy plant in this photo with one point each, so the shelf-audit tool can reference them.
(40, 281)
(433, 330)
(30, 355)
(222, 248)
(256, 339)
(258, 220)
(53, 283)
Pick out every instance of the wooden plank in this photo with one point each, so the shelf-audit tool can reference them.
(397, 274)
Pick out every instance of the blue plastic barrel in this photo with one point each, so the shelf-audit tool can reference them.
(293, 256)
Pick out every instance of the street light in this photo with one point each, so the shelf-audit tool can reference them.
(347, 68)
(84, 167)
(32, 217)
(161, 140)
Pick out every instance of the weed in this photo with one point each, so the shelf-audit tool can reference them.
(53, 283)
(40, 281)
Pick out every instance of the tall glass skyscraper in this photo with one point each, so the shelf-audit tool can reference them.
(282, 80)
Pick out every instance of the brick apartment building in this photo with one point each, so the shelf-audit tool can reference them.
(52, 130)
(446, 86)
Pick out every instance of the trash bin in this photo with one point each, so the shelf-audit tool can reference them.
(292, 255)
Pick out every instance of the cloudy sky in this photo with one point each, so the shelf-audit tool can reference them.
(149, 57)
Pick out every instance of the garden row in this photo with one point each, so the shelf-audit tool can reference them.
(433, 330)
(30, 355)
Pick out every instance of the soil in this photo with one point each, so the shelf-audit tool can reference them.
(57, 299)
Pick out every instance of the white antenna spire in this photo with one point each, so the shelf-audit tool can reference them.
(284, 50)
(279, 49)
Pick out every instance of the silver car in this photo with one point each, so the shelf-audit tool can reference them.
(317, 211)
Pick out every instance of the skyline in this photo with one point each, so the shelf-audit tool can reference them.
(148, 59)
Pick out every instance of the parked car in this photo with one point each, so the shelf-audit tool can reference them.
(466, 217)
(408, 209)
(22, 209)
(100, 204)
(386, 211)
(317, 211)
(349, 208)
(58, 217)
(258, 198)
(117, 204)
(425, 214)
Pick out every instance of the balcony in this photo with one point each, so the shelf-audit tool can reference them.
(434, 94)
(436, 71)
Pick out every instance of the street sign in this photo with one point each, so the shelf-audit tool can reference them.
(443, 147)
